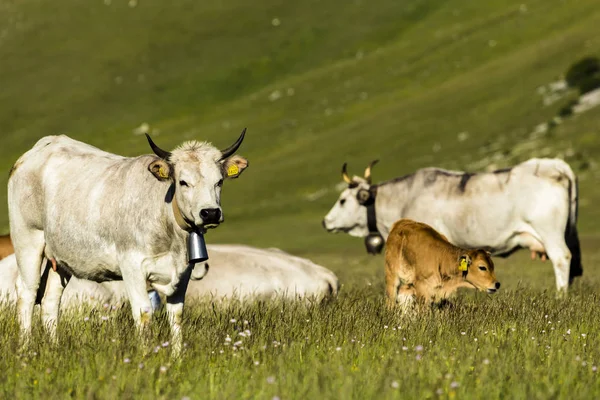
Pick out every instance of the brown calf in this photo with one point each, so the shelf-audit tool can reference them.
(421, 263)
(6, 246)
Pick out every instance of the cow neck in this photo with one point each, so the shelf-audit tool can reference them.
(179, 218)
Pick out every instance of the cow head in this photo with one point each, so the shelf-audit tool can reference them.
(348, 213)
(478, 269)
(196, 171)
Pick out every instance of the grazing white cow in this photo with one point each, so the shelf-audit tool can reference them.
(102, 217)
(236, 272)
(531, 205)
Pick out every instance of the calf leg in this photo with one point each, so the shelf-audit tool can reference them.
(392, 284)
(406, 298)
(175, 311)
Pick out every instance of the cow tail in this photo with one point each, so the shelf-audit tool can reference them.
(571, 235)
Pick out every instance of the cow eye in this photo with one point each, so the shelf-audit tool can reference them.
(342, 201)
(220, 183)
(483, 268)
(183, 183)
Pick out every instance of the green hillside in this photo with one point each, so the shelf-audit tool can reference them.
(316, 83)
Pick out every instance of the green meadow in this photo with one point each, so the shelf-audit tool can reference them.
(413, 83)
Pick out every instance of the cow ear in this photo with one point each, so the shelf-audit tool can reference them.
(234, 166)
(363, 196)
(160, 169)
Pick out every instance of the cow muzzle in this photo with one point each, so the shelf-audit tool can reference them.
(211, 217)
(374, 243)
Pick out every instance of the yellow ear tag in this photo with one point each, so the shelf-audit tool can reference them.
(463, 265)
(233, 170)
(163, 173)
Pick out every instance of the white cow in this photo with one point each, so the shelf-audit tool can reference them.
(104, 217)
(236, 272)
(531, 205)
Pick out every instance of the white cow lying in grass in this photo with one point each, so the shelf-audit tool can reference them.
(237, 272)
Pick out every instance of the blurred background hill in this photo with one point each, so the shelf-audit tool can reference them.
(415, 83)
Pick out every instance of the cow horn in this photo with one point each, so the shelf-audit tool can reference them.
(157, 150)
(233, 148)
(345, 174)
(368, 170)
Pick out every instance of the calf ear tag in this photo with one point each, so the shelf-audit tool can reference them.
(463, 266)
(233, 170)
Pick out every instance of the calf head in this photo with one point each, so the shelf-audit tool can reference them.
(478, 269)
(196, 171)
(348, 214)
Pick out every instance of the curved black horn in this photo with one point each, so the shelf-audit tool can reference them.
(345, 174)
(368, 170)
(233, 148)
(157, 150)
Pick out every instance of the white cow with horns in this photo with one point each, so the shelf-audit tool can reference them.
(530, 205)
(103, 217)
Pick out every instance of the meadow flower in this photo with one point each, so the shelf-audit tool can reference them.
(385, 327)
(395, 384)
(246, 322)
(165, 344)
(594, 368)
(404, 348)
(156, 349)
(228, 339)
(583, 364)
(185, 398)
(104, 318)
(141, 365)
(463, 333)
(418, 357)
(232, 320)
(486, 361)
(247, 332)
(105, 305)
(163, 369)
(275, 398)
(475, 339)
(568, 331)
(270, 380)
(127, 361)
(338, 348)
(238, 343)
(256, 362)
(583, 335)
(86, 319)
(454, 385)
(419, 348)
(221, 351)
(242, 334)
(439, 392)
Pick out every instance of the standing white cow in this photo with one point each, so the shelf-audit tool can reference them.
(531, 205)
(105, 217)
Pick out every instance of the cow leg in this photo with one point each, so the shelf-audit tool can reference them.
(51, 301)
(560, 256)
(29, 249)
(175, 311)
(135, 285)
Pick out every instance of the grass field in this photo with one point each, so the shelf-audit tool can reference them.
(316, 84)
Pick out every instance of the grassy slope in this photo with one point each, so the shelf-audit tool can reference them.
(386, 80)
